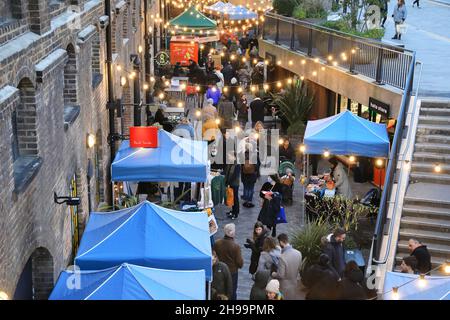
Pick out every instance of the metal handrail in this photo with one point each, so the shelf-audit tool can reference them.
(341, 34)
(382, 212)
(408, 144)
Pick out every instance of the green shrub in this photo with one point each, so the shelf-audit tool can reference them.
(308, 240)
(299, 12)
(343, 26)
(284, 7)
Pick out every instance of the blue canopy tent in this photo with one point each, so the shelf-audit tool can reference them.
(130, 282)
(146, 235)
(409, 288)
(220, 7)
(175, 160)
(240, 13)
(346, 134)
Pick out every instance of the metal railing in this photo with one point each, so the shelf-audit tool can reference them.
(381, 62)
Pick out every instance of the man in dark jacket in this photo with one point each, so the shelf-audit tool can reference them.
(335, 250)
(229, 252)
(258, 291)
(351, 286)
(222, 283)
(420, 251)
(257, 107)
(322, 280)
(228, 73)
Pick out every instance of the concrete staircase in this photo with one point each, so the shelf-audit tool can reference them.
(426, 208)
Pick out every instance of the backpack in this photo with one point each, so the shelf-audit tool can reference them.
(248, 168)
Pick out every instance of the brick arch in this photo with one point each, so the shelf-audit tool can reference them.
(26, 71)
(36, 279)
(70, 77)
(24, 122)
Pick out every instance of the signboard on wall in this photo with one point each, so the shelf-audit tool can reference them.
(379, 107)
(143, 137)
(182, 52)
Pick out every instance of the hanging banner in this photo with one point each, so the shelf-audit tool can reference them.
(379, 107)
(182, 52)
(143, 137)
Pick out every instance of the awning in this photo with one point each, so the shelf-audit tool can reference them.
(146, 235)
(175, 160)
(193, 19)
(130, 282)
(346, 134)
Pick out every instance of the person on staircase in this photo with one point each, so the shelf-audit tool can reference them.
(420, 251)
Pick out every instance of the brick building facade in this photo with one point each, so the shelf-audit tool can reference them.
(53, 93)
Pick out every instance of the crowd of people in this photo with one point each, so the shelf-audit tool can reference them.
(277, 268)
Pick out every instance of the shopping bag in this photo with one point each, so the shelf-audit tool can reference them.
(230, 197)
(401, 28)
(281, 216)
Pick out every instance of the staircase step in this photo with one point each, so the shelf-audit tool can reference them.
(435, 111)
(436, 250)
(443, 148)
(435, 104)
(432, 138)
(436, 120)
(433, 129)
(429, 177)
(429, 157)
(429, 212)
(429, 203)
(427, 237)
(425, 223)
(429, 167)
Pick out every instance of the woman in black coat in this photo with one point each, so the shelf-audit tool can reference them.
(351, 287)
(232, 173)
(322, 280)
(256, 245)
(272, 204)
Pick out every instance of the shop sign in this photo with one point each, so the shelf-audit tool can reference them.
(143, 137)
(379, 107)
(182, 52)
(162, 58)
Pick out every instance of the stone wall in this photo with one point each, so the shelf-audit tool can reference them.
(57, 58)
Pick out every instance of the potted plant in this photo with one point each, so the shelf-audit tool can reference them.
(294, 104)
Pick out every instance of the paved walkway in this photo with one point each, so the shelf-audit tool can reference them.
(428, 33)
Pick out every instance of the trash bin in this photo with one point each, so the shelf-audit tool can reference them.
(355, 255)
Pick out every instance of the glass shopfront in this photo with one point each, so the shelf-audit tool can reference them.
(375, 114)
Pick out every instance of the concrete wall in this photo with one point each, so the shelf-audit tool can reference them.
(355, 87)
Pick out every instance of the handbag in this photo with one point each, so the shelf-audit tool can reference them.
(281, 216)
(230, 197)
(400, 28)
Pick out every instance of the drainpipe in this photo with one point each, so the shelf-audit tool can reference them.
(110, 104)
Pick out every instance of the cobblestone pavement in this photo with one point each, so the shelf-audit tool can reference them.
(244, 226)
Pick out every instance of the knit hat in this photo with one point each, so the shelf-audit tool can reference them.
(230, 230)
(273, 286)
(233, 80)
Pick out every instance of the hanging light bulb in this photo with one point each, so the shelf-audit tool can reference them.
(422, 282)
(252, 88)
(217, 121)
(395, 295)
(279, 85)
(161, 96)
(213, 89)
(323, 68)
(244, 59)
(379, 163)
(119, 67)
(303, 61)
(197, 88)
(145, 86)
(152, 79)
(123, 81)
(256, 135)
(198, 113)
(352, 159)
(291, 62)
(140, 49)
(225, 89)
(316, 60)
(266, 87)
(335, 63)
(302, 78)
(255, 61)
(447, 267)
(183, 86)
(326, 154)
(279, 62)
(289, 81)
(302, 148)
(280, 141)
(314, 73)
(237, 129)
(180, 104)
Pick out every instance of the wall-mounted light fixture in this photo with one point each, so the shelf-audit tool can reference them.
(90, 140)
(70, 201)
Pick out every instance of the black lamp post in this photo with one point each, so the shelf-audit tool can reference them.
(136, 89)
